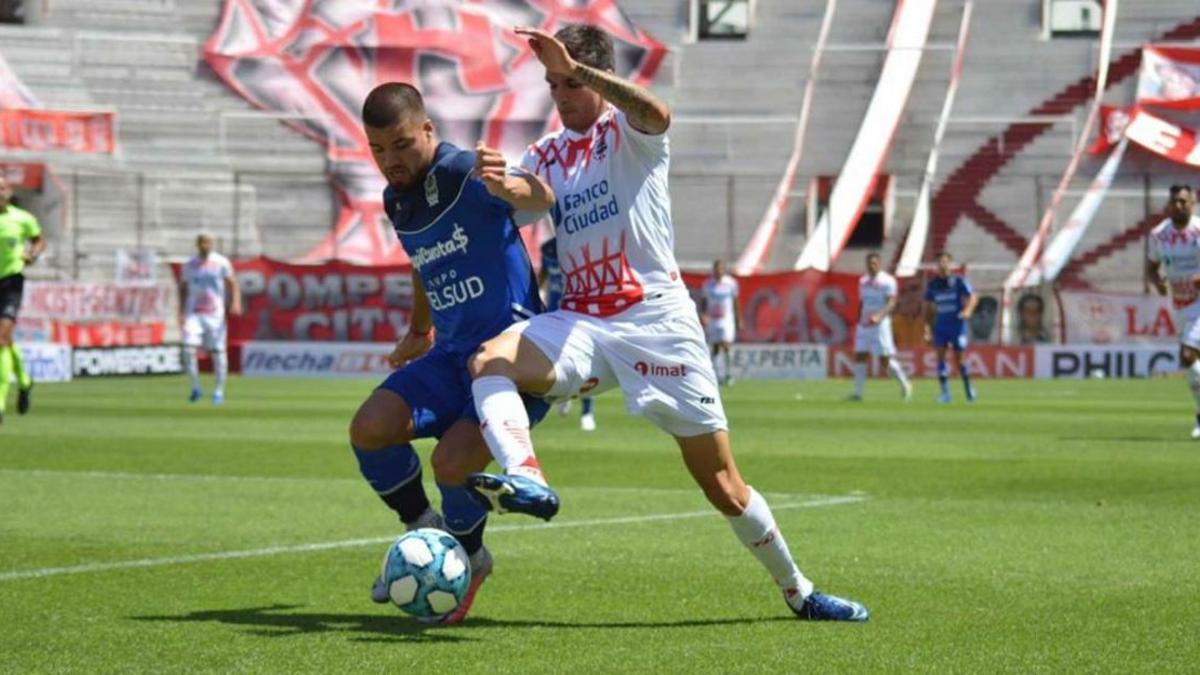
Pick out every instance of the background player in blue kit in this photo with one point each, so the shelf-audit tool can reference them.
(472, 278)
(949, 303)
(551, 281)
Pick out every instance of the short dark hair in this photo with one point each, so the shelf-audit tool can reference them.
(875, 255)
(1181, 187)
(1031, 298)
(390, 102)
(588, 45)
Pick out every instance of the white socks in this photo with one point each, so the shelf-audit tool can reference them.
(897, 372)
(191, 362)
(1192, 373)
(221, 369)
(860, 377)
(756, 529)
(505, 426)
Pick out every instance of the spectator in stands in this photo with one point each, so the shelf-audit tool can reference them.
(983, 320)
(1031, 319)
(18, 227)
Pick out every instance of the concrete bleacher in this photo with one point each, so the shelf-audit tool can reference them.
(735, 105)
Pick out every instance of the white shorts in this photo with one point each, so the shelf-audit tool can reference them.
(875, 340)
(720, 331)
(205, 331)
(654, 352)
(1189, 328)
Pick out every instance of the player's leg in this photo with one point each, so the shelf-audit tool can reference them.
(380, 436)
(709, 460)
(714, 346)
(6, 361)
(860, 374)
(726, 355)
(964, 369)
(459, 453)
(215, 339)
(886, 349)
(587, 416)
(193, 338)
(943, 370)
(1189, 359)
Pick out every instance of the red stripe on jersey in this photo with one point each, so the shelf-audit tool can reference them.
(602, 286)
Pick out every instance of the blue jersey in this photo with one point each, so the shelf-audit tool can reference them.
(949, 296)
(554, 275)
(467, 250)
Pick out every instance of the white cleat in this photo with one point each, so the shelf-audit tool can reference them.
(587, 422)
(906, 391)
(564, 408)
(1196, 433)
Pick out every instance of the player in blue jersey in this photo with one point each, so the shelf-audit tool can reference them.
(472, 278)
(551, 281)
(949, 303)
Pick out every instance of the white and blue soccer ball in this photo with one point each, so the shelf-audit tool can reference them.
(427, 573)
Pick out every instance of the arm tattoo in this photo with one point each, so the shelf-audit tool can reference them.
(644, 109)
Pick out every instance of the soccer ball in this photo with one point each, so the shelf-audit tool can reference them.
(427, 573)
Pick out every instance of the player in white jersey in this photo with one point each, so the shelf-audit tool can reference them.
(626, 319)
(873, 335)
(203, 283)
(1173, 266)
(720, 317)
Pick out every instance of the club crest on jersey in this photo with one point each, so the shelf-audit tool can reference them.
(431, 189)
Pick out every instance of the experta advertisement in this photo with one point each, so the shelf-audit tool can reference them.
(779, 361)
(316, 359)
(1124, 360)
(46, 361)
(146, 360)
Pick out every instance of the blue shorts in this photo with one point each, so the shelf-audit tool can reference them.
(954, 337)
(437, 388)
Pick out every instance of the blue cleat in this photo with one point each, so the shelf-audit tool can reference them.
(822, 607)
(218, 397)
(195, 396)
(516, 494)
(944, 398)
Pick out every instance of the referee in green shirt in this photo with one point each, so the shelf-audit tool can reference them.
(20, 244)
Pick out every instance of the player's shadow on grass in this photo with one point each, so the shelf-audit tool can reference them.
(280, 621)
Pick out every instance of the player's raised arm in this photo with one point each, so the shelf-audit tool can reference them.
(523, 190)
(645, 111)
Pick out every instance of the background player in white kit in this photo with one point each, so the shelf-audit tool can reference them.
(1173, 266)
(202, 287)
(720, 316)
(626, 318)
(877, 292)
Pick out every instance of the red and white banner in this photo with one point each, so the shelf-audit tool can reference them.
(479, 79)
(75, 302)
(984, 361)
(335, 301)
(37, 130)
(109, 333)
(1170, 77)
(856, 180)
(808, 306)
(23, 175)
(1165, 139)
(1103, 318)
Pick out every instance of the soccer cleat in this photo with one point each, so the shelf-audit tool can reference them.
(564, 407)
(944, 398)
(431, 519)
(970, 394)
(379, 592)
(515, 494)
(906, 391)
(855, 398)
(822, 607)
(218, 397)
(1196, 433)
(587, 422)
(481, 569)
(196, 395)
(23, 400)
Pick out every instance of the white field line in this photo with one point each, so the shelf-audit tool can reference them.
(372, 541)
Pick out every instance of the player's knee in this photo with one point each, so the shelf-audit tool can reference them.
(449, 467)
(489, 359)
(371, 430)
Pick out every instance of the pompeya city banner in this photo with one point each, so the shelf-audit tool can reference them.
(318, 61)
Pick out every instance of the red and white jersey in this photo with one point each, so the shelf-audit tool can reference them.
(612, 218)
(873, 294)
(205, 278)
(1179, 252)
(719, 297)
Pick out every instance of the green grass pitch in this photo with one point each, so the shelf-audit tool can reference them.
(1050, 527)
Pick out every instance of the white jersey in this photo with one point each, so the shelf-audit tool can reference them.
(205, 280)
(873, 295)
(1179, 252)
(612, 218)
(719, 297)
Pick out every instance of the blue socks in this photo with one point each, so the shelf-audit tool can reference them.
(587, 404)
(966, 378)
(394, 473)
(943, 377)
(465, 518)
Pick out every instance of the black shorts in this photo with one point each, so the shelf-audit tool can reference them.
(11, 289)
